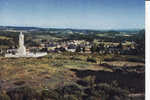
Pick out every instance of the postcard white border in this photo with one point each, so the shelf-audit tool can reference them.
(147, 30)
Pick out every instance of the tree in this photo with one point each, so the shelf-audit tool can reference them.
(101, 59)
(120, 46)
(94, 48)
(78, 49)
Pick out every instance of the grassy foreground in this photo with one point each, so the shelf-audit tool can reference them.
(70, 76)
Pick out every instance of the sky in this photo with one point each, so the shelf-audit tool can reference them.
(79, 14)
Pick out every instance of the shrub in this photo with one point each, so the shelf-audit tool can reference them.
(29, 93)
(50, 57)
(83, 83)
(136, 60)
(91, 60)
(58, 64)
(110, 59)
(23, 93)
(110, 91)
(72, 89)
(70, 97)
(90, 80)
(4, 96)
(93, 98)
(19, 82)
(75, 58)
(51, 94)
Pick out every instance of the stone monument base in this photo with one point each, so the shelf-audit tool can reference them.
(17, 55)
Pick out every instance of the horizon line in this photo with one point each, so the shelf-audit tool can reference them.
(46, 27)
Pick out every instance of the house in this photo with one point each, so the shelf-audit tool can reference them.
(71, 48)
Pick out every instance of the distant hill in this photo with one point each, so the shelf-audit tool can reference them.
(19, 28)
(69, 31)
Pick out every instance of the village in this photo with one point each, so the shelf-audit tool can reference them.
(80, 46)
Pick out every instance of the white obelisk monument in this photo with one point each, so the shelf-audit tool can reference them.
(22, 48)
(21, 51)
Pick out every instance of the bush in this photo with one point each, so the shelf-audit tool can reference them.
(51, 94)
(110, 59)
(75, 58)
(92, 98)
(57, 64)
(70, 92)
(91, 60)
(19, 82)
(23, 93)
(4, 96)
(90, 80)
(70, 97)
(111, 91)
(72, 89)
(83, 83)
(136, 60)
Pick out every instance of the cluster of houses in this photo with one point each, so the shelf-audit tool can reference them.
(81, 46)
(70, 46)
(84, 46)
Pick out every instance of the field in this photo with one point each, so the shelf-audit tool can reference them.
(83, 70)
(4, 38)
